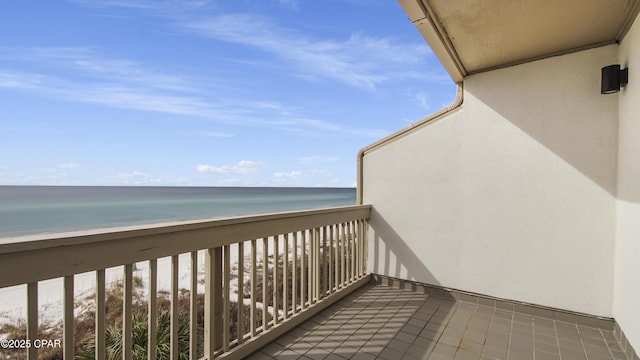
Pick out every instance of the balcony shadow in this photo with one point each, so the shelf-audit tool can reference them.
(399, 261)
(397, 255)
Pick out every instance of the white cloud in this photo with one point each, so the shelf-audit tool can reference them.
(241, 168)
(316, 177)
(423, 100)
(315, 159)
(140, 178)
(160, 7)
(293, 174)
(208, 133)
(361, 61)
(291, 4)
(69, 165)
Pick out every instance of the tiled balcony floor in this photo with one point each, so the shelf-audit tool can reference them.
(380, 322)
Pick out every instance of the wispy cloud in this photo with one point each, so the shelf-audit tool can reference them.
(361, 61)
(316, 158)
(293, 174)
(241, 168)
(122, 83)
(141, 178)
(69, 165)
(167, 8)
(88, 64)
(298, 177)
(208, 133)
(423, 100)
(291, 4)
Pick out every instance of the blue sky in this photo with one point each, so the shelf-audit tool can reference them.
(206, 93)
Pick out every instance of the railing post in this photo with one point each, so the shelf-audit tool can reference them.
(32, 319)
(240, 322)
(193, 308)
(68, 317)
(127, 314)
(152, 322)
(100, 315)
(226, 307)
(254, 279)
(213, 302)
(174, 350)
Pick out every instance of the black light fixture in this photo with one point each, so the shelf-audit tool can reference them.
(613, 78)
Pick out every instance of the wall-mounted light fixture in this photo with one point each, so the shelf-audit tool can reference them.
(613, 78)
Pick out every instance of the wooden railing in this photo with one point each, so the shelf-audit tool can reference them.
(282, 266)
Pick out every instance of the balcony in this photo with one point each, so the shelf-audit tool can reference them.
(320, 302)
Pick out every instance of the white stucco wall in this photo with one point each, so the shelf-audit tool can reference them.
(627, 261)
(511, 196)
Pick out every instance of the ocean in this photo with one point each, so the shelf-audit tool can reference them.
(26, 210)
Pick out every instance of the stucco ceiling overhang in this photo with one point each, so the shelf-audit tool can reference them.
(472, 36)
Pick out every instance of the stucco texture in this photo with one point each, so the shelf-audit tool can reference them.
(627, 265)
(512, 195)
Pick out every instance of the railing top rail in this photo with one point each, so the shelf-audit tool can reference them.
(40, 257)
(48, 240)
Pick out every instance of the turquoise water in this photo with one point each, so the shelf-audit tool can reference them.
(28, 210)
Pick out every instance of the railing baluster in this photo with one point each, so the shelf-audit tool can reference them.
(313, 264)
(226, 315)
(347, 262)
(68, 300)
(365, 245)
(127, 315)
(310, 269)
(265, 270)
(285, 277)
(254, 279)
(316, 265)
(355, 251)
(343, 236)
(352, 252)
(325, 270)
(330, 265)
(303, 269)
(100, 315)
(193, 308)
(347, 254)
(32, 319)
(361, 243)
(310, 276)
(152, 319)
(213, 302)
(240, 322)
(336, 258)
(174, 351)
(357, 247)
(294, 275)
(276, 317)
(319, 263)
